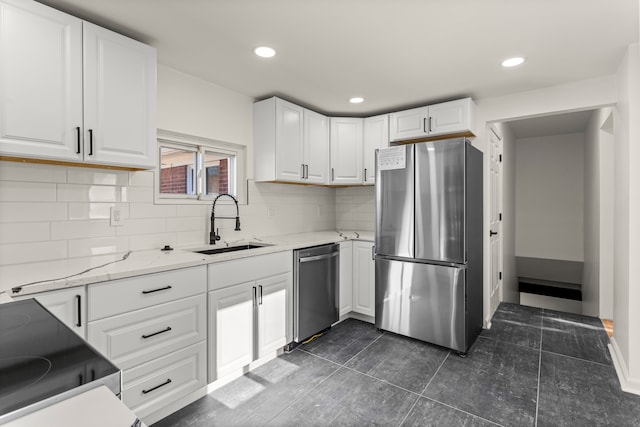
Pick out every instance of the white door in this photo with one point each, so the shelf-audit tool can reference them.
(273, 313)
(231, 327)
(346, 150)
(289, 141)
(376, 135)
(40, 82)
(408, 124)
(119, 99)
(495, 218)
(346, 277)
(449, 117)
(363, 278)
(316, 148)
(68, 305)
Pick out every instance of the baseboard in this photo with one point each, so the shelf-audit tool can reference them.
(628, 384)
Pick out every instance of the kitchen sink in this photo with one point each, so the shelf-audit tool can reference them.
(230, 249)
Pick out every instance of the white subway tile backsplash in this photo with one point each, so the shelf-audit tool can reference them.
(97, 176)
(149, 210)
(32, 212)
(97, 246)
(141, 179)
(79, 211)
(186, 224)
(137, 194)
(152, 241)
(193, 210)
(19, 191)
(19, 253)
(184, 238)
(14, 171)
(87, 193)
(81, 229)
(137, 226)
(24, 232)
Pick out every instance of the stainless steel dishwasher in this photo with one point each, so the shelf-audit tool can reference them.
(315, 290)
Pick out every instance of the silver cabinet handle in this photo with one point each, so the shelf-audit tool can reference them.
(430, 129)
(424, 125)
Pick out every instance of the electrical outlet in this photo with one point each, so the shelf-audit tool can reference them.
(116, 216)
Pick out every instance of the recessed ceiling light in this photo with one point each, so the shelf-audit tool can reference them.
(512, 62)
(356, 100)
(264, 51)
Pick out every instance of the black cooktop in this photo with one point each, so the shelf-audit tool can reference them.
(40, 357)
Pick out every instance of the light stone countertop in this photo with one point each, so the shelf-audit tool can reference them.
(52, 275)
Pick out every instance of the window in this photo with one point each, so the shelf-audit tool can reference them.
(193, 169)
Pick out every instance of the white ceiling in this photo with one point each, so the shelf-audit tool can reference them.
(395, 54)
(556, 124)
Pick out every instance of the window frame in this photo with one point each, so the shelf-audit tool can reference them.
(200, 146)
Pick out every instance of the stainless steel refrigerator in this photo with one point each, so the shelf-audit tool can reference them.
(428, 262)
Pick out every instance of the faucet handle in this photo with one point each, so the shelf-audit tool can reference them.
(217, 235)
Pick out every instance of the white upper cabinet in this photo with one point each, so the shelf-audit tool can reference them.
(448, 118)
(72, 91)
(409, 124)
(291, 143)
(316, 148)
(346, 150)
(119, 99)
(40, 82)
(376, 135)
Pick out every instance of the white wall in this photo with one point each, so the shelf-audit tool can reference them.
(597, 277)
(626, 339)
(581, 95)
(549, 197)
(510, 291)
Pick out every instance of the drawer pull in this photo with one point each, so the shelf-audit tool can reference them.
(168, 381)
(156, 290)
(157, 333)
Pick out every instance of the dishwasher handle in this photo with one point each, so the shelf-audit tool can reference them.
(319, 257)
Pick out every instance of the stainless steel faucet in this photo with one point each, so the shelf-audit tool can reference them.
(214, 235)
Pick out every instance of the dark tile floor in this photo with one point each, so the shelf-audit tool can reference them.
(534, 367)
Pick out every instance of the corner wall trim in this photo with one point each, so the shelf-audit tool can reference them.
(628, 384)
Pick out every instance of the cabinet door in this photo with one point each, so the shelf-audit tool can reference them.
(376, 135)
(289, 141)
(363, 278)
(346, 277)
(273, 313)
(450, 117)
(409, 124)
(40, 82)
(316, 147)
(231, 328)
(119, 99)
(68, 305)
(346, 150)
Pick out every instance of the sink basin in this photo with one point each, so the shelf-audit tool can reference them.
(229, 249)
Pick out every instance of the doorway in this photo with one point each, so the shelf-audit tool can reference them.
(557, 212)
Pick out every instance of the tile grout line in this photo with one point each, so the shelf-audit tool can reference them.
(366, 347)
(423, 390)
(578, 358)
(539, 369)
(509, 342)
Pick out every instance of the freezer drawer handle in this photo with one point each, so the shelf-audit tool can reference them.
(319, 257)
(156, 290)
(168, 381)
(157, 333)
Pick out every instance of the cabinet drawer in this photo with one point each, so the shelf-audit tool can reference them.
(124, 295)
(152, 386)
(140, 336)
(228, 273)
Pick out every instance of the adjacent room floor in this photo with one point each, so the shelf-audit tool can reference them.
(534, 367)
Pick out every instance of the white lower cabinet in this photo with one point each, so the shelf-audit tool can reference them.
(68, 305)
(346, 277)
(363, 278)
(250, 312)
(156, 335)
